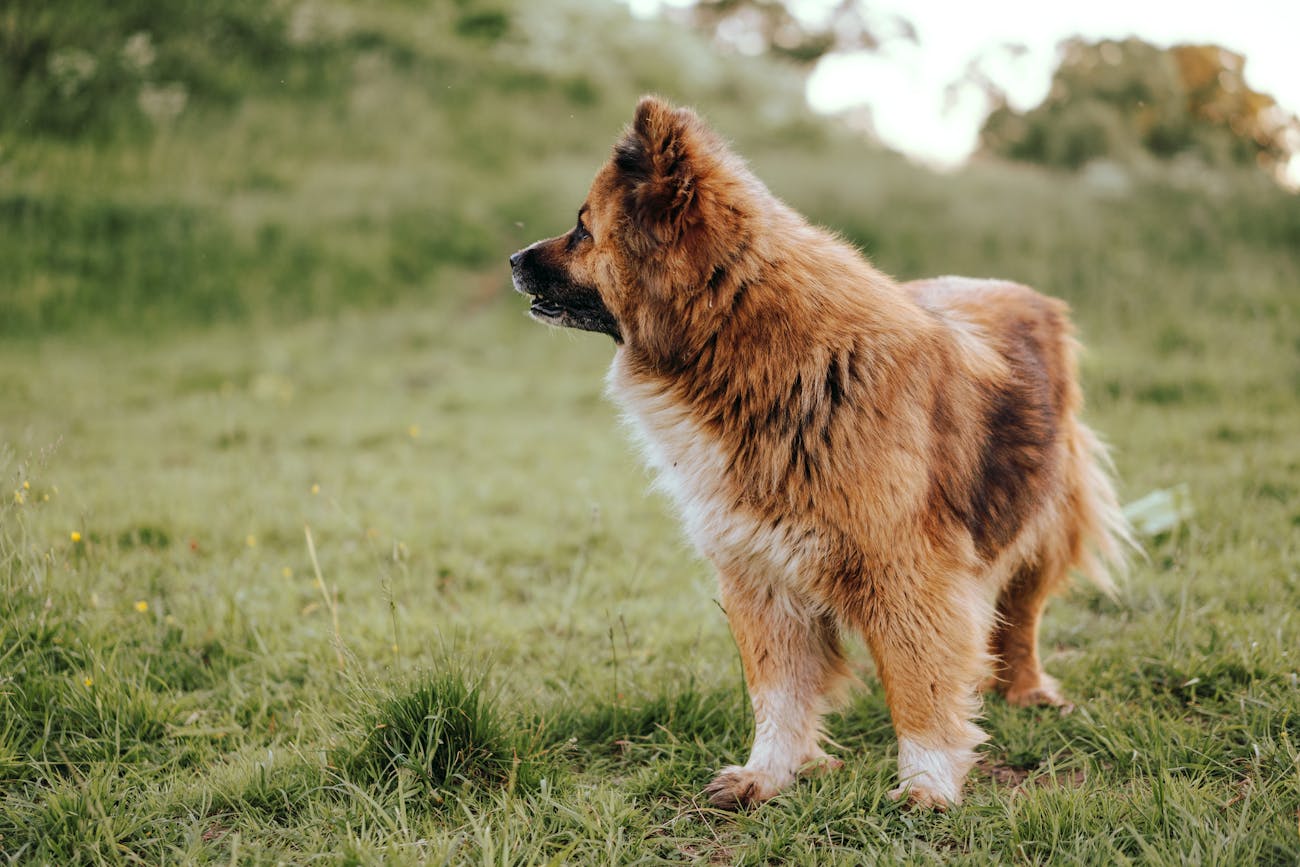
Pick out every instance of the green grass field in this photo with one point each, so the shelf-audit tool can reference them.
(178, 687)
(314, 549)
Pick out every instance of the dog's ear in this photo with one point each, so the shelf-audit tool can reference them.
(663, 160)
(688, 203)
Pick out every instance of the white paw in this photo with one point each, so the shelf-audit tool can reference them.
(931, 777)
(736, 787)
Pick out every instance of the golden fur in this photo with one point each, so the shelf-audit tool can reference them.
(901, 460)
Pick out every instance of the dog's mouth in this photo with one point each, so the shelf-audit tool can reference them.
(545, 309)
(565, 303)
(574, 314)
(540, 307)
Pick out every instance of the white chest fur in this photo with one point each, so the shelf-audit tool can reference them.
(690, 465)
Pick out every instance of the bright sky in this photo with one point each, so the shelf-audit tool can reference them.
(906, 85)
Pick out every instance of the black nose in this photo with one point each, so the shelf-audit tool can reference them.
(516, 258)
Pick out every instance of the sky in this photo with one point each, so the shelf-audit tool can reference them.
(906, 85)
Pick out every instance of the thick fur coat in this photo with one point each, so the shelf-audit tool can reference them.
(905, 461)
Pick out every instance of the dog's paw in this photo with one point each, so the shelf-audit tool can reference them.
(737, 787)
(1045, 693)
(924, 798)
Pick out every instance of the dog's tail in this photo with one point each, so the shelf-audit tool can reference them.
(1105, 539)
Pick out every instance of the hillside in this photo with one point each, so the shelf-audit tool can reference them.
(321, 156)
(314, 157)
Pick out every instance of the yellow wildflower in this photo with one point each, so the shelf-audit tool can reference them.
(413, 430)
(88, 682)
(74, 536)
(286, 572)
(315, 489)
(27, 486)
(251, 540)
(141, 606)
(18, 497)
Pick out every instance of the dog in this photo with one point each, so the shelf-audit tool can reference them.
(903, 460)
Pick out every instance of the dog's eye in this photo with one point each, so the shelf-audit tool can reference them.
(578, 235)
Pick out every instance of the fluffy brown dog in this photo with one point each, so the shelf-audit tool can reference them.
(906, 461)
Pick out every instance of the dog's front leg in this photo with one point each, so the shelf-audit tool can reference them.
(930, 645)
(790, 650)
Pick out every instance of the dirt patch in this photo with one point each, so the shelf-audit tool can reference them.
(1017, 780)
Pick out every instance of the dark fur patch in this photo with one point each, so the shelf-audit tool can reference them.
(993, 492)
(839, 376)
(717, 278)
(1020, 427)
(631, 160)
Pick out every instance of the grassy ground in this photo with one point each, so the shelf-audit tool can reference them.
(177, 686)
(282, 317)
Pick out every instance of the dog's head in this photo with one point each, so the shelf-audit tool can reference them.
(663, 218)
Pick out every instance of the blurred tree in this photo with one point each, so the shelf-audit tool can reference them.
(785, 29)
(1123, 99)
(1219, 98)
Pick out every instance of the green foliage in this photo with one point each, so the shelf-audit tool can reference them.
(75, 69)
(141, 257)
(1121, 100)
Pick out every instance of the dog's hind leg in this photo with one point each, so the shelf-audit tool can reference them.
(1091, 536)
(1017, 671)
(790, 650)
(930, 644)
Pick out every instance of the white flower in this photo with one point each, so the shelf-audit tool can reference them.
(139, 52)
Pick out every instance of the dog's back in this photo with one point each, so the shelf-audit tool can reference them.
(1031, 341)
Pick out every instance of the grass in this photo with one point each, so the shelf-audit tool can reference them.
(282, 316)
(553, 680)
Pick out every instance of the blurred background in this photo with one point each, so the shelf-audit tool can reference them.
(181, 163)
